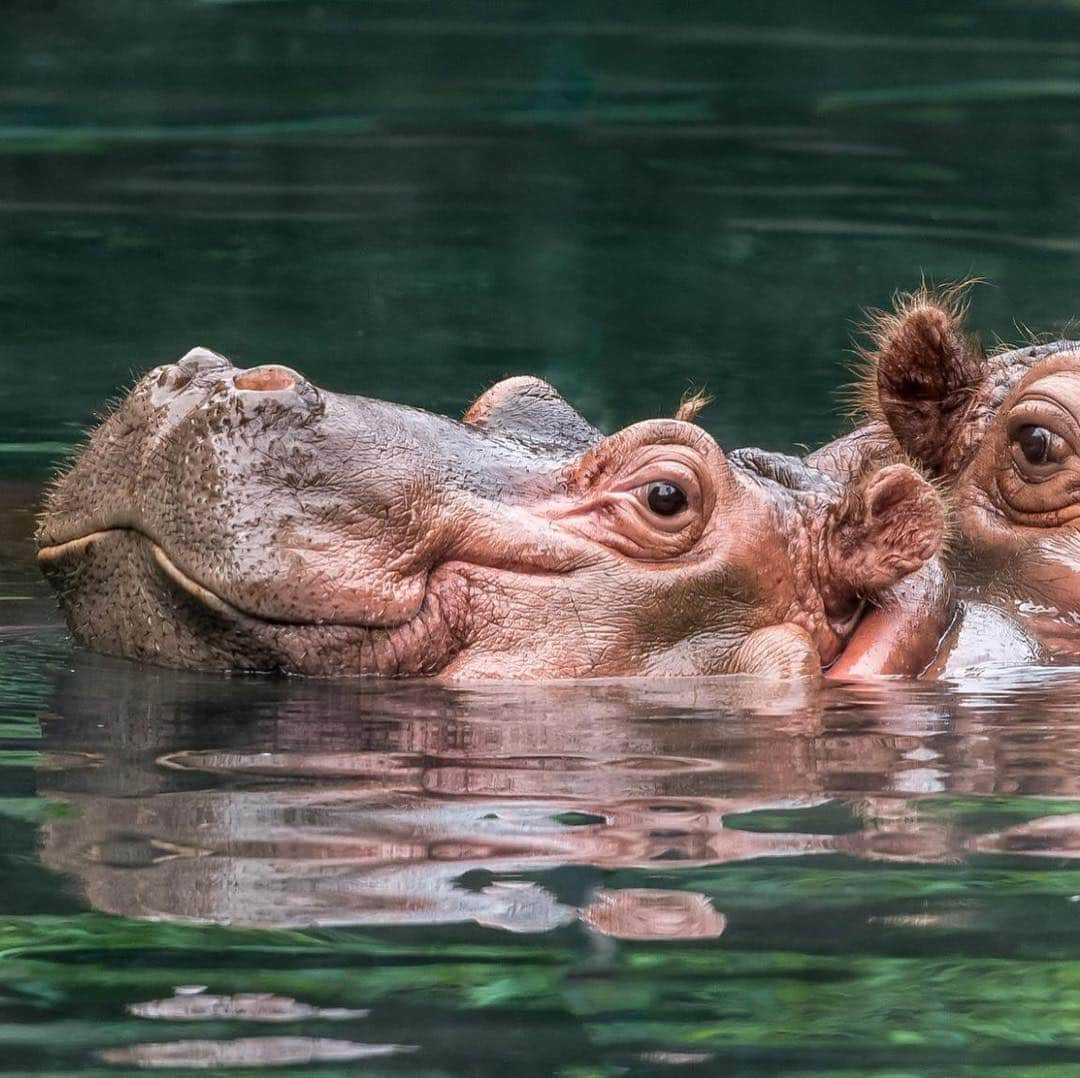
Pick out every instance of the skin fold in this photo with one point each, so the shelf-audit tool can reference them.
(247, 520)
(1000, 435)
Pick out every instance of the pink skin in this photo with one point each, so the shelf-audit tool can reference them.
(1000, 435)
(901, 636)
(228, 519)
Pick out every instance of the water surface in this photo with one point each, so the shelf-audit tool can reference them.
(414, 199)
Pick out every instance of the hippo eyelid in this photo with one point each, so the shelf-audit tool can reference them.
(1044, 411)
(663, 471)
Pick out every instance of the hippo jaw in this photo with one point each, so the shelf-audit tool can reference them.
(174, 620)
(229, 519)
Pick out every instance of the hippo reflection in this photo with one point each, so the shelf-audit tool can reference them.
(511, 808)
(228, 519)
(430, 810)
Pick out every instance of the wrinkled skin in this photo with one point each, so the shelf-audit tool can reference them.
(228, 519)
(1001, 434)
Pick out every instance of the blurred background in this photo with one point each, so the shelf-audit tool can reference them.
(413, 199)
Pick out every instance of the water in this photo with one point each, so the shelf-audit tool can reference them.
(412, 200)
(580, 879)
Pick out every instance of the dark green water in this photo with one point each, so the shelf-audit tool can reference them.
(411, 200)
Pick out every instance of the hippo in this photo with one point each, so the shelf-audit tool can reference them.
(245, 519)
(999, 432)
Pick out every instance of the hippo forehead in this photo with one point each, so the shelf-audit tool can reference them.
(1006, 369)
(784, 471)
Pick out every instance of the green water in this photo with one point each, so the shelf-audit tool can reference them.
(411, 200)
(573, 880)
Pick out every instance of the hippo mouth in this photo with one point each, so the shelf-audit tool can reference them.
(186, 583)
(422, 643)
(192, 587)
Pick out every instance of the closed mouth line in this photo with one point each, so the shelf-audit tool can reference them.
(193, 588)
(202, 594)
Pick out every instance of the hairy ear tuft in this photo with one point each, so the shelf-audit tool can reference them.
(921, 371)
(693, 402)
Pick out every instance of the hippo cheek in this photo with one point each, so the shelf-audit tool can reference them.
(1042, 589)
(1054, 566)
(607, 618)
(308, 590)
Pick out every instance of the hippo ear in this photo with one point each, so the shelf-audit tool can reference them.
(923, 372)
(533, 412)
(887, 525)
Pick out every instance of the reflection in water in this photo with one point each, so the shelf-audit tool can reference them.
(192, 1003)
(639, 914)
(611, 874)
(249, 1052)
(346, 804)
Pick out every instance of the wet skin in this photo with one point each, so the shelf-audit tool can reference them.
(229, 519)
(1001, 434)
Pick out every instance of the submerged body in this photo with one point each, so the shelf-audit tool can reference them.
(230, 519)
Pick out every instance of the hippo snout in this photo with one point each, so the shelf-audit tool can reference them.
(203, 378)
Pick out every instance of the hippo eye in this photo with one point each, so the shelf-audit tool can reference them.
(1034, 443)
(665, 499)
(1040, 446)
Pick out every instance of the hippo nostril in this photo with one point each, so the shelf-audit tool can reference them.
(265, 379)
(201, 359)
(175, 377)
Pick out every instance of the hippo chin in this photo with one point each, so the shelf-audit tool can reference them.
(245, 519)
